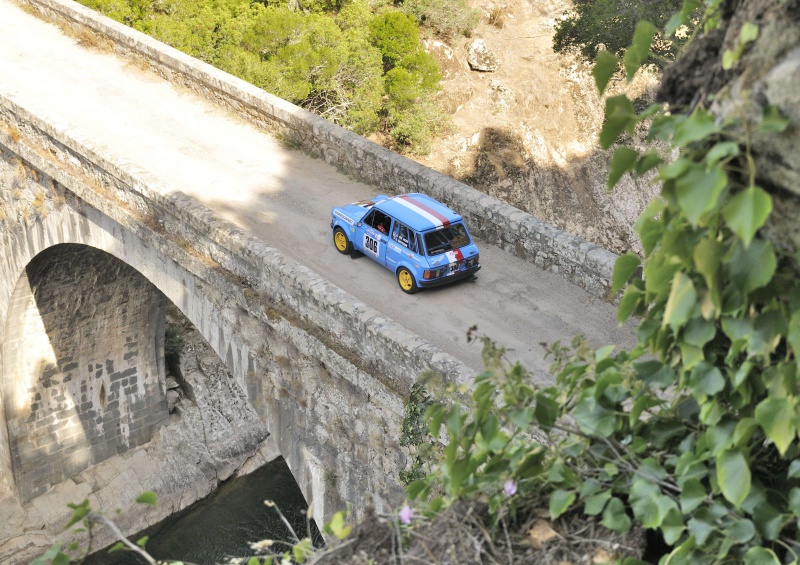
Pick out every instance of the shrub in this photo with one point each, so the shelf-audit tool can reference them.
(447, 19)
(692, 434)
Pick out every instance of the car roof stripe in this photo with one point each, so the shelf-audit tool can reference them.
(431, 214)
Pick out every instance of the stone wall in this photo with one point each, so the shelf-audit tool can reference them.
(82, 365)
(492, 220)
(327, 375)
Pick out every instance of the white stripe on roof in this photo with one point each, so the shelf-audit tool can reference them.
(422, 212)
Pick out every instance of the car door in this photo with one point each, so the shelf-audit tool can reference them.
(373, 235)
(402, 246)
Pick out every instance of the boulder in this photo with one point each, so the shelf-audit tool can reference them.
(480, 57)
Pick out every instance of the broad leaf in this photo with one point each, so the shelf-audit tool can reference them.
(706, 380)
(615, 516)
(693, 493)
(680, 18)
(697, 127)
(647, 161)
(623, 160)
(672, 526)
(593, 418)
(698, 190)
(722, 150)
(794, 501)
(699, 331)
(793, 334)
(777, 417)
(148, 497)
(560, 501)
(639, 50)
(746, 213)
(707, 257)
(595, 504)
(772, 121)
(700, 529)
(761, 556)
(624, 267)
(619, 117)
(546, 410)
(733, 476)
(631, 298)
(681, 302)
(605, 65)
(753, 267)
(655, 373)
(742, 531)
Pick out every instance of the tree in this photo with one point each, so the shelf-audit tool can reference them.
(610, 24)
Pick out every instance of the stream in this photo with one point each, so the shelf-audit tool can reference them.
(224, 524)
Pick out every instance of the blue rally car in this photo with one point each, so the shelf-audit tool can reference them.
(423, 241)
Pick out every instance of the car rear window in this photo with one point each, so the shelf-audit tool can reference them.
(446, 239)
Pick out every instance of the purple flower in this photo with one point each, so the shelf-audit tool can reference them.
(510, 487)
(406, 514)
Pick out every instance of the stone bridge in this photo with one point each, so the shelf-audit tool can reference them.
(94, 248)
(91, 254)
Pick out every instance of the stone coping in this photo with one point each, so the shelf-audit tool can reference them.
(582, 263)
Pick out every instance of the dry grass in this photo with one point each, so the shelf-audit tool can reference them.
(497, 17)
(14, 133)
(85, 37)
(461, 535)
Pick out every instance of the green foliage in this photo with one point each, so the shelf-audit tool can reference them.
(693, 433)
(396, 35)
(412, 77)
(173, 348)
(329, 58)
(414, 430)
(447, 19)
(612, 24)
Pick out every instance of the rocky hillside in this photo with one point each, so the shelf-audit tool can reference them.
(527, 131)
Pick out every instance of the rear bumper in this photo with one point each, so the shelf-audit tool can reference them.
(460, 275)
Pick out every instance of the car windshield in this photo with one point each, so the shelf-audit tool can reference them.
(446, 239)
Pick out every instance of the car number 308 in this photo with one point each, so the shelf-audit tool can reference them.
(371, 244)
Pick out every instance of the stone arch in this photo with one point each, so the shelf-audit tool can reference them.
(83, 373)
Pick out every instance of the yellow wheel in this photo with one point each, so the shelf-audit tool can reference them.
(406, 281)
(341, 242)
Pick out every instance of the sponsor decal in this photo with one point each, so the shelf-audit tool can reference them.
(339, 214)
(454, 255)
(423, 210)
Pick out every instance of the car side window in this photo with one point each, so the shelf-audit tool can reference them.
(404, 236)
(379, 221)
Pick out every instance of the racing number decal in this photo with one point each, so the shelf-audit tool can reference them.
(371, 245)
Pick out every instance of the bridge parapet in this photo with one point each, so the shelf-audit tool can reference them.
(584, 264)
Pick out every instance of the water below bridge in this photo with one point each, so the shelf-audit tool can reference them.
(224, 524)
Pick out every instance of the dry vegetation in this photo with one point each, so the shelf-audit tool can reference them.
(459, 536)
(527, 133)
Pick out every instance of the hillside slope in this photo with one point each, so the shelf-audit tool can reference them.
(527, 132)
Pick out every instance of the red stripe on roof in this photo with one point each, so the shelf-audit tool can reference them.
(428, 209)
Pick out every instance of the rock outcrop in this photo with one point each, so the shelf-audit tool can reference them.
(766, 76)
